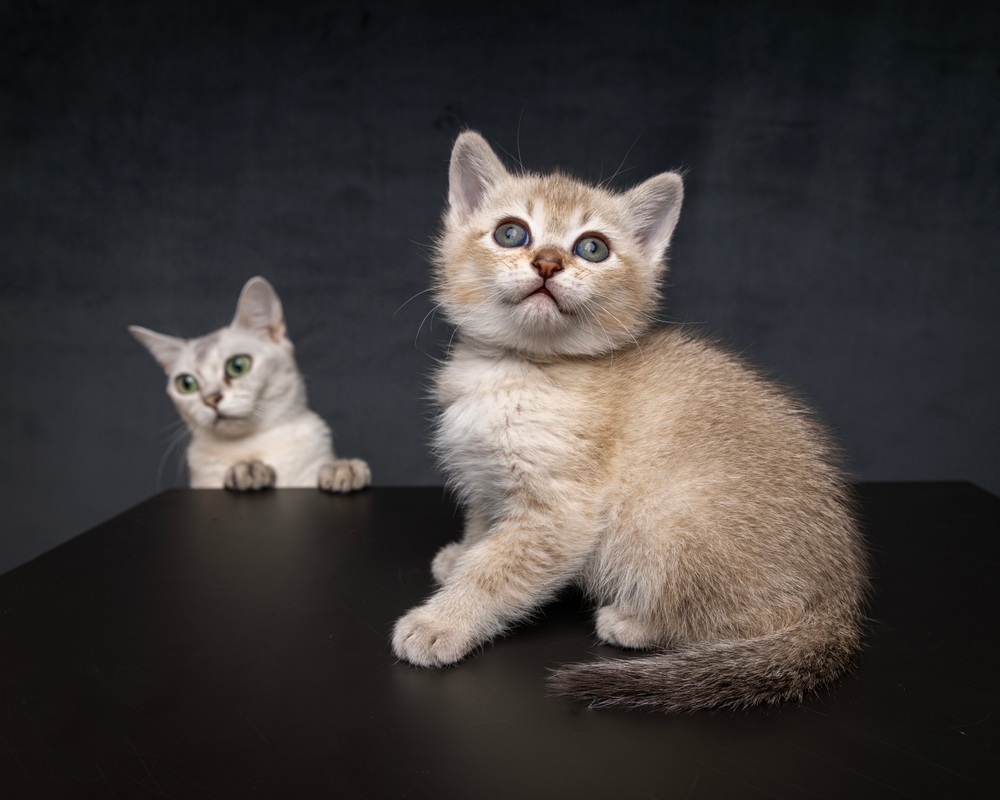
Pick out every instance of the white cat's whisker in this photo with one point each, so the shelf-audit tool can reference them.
(178, 437)
(171, 428)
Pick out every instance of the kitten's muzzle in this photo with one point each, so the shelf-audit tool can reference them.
(213, 400)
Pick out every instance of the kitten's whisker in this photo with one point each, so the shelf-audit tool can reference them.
(589, 312)
(619, 170)
(518, 138)
(649, 315)
(512, 265)
(624, 327)
(462, 322)
(421, 325)
(425, 291)
(516, 158)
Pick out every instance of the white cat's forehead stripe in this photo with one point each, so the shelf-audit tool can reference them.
(204, 345)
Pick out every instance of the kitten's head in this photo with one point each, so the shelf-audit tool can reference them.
(548, 265)
(240, 378)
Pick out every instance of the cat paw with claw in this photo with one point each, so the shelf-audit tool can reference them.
(423, 638)
(344, 475)
(250, 476)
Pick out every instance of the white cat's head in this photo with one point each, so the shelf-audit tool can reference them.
(548, 265)
(238, 379)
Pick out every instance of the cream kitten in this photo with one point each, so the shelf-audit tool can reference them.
(241, 395)
(697, 503)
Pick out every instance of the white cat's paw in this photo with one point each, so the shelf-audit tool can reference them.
(344, 475)
(622, 629)
(444, 562)
(424, 638)
(250, 476)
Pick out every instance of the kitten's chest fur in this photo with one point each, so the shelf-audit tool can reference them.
(509, 427)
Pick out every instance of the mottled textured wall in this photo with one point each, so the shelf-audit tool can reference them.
(842, 222)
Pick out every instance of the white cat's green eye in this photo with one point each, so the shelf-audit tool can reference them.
(592, 248)
(186, 384)
(511, 234)
(238, 365)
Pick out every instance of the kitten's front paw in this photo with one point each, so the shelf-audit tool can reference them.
(425, 639)
(250, 476)
(623, 629)
(344, 475)
(444, 562)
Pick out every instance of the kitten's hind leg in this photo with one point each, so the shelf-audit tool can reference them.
(622, 628)
(444, 562)
(344, 475)
(250, 476)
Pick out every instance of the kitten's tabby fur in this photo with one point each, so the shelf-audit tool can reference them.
(696, 502)
(254, 430)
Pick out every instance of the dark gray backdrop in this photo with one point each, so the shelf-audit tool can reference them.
(840, 227)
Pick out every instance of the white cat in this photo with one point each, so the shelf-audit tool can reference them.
(241, 395)
(698, 504)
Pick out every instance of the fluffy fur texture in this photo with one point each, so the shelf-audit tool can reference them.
(696, 502)
(250, 426)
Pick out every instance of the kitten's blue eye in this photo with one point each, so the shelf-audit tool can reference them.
(511, 234)
(186, 384)
(592, 248)
(238, 365)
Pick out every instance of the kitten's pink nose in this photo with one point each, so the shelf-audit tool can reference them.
(547, 263)
(213, 399)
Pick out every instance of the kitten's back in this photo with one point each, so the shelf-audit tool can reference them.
(728, 495)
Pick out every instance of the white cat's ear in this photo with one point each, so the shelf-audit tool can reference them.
(474, 168)
(259, 309)
(654, 207)
(165, 349)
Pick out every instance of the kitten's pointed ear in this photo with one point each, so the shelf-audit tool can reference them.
(474, 168)
(165, 349)
(655, 206)
(259, 309)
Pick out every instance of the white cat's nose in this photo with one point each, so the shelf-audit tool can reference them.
(547, 263)
(213, 399)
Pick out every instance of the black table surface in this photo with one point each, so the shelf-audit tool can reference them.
(209, 644)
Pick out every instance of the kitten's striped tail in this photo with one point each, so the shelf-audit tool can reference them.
(735, 673)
